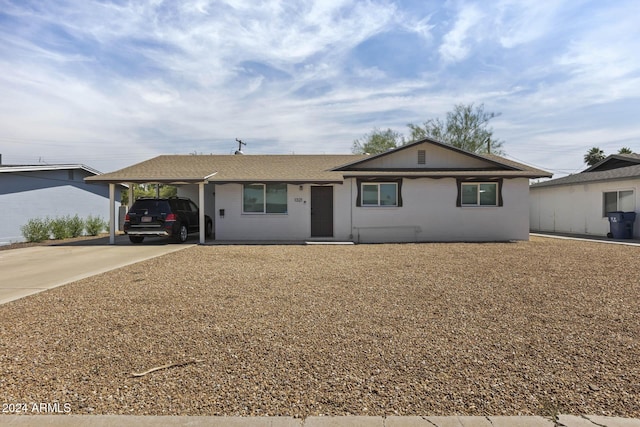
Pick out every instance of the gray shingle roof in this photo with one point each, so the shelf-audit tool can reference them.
(232, 168)
(615, 161)
(583, 177)
(295, 168)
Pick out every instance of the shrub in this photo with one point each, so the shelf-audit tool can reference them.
(95, 225)
(60, 227)
(75, 226)
(36, 230)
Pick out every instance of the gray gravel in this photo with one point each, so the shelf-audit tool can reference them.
(526, 328)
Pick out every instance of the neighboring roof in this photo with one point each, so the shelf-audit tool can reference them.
(293, 168)
(614, 167)
(628, 172)
(501, 167)
(615, 161)
(35, 168)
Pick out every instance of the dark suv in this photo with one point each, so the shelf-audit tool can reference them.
(174, 217)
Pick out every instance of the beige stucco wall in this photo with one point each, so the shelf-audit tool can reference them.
(435, 157)
(294, 225)
(577, 208)
(429, 213)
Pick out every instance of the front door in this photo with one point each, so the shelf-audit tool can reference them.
(321, 211)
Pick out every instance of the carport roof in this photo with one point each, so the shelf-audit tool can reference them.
(177, 169)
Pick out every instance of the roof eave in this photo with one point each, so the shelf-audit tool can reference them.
(118, 180)
(552, 183)
(609, 158)
(36, 168)
(449, 174)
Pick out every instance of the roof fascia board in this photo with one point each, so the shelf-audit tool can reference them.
(38, 168)
(560, 184)
(461, 174)
(99, 179)
(279, 181)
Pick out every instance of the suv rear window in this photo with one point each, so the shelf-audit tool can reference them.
(150, 207)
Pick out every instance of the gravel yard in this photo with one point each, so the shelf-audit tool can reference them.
(533, 327)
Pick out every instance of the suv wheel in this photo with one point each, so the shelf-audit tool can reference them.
(183, 233)
(208, 229)
(136, 239)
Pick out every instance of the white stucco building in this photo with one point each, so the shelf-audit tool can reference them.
(579, 203)
(419, 192)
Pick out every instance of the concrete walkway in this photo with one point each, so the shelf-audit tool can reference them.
(35, 269)
(347, 421)
(588, 238)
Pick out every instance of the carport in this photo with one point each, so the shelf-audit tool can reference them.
(159, 170)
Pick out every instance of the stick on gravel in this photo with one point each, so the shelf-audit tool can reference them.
(168, 365)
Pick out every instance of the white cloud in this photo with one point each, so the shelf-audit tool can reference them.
(604, 61)
(522, 21)
(117, 83)
(457, 43)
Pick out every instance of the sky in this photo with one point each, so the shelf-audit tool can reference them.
(112, 83)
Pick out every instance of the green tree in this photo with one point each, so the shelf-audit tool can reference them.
(625, 150)
(593, 156)
(148, 190)
(377, 141)
(465, 127)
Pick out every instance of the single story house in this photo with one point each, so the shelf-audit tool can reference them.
(40, 191)
(579, 203)
(422, 191)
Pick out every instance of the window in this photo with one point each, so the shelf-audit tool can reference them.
(613, 201)
(380, 194)
(479, 194)
(264, 198)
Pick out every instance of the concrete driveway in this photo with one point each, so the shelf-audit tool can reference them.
(31, 270)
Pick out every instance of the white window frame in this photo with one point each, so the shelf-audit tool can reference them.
(378, 205)
(264, 201)
(604, 204)
(477, 204)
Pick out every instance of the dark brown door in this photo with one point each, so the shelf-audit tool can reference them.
(321, 211)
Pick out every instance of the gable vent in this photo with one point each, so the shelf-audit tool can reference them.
(422, 157)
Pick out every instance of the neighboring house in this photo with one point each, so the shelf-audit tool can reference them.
(579, 203)
(422, 191)
(40, 191)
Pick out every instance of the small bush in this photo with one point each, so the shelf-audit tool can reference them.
(75, 226)
(95, 225)
(36, 230)
(60, 227)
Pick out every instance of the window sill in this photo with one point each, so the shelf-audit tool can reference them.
(264, 214)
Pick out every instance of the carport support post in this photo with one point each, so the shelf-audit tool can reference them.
(131, 196)
(201, 211)
(112, 214)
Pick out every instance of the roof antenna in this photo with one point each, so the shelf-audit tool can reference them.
(240, 144)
